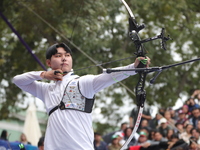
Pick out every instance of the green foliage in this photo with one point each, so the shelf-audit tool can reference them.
(100, 28)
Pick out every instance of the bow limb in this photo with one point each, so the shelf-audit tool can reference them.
(125, 146)
(128, 9)
(134, 28)
(140, 97)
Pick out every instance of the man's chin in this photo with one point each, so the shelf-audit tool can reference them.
(67, 70)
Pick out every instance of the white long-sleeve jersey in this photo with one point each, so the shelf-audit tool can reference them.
(68, 129)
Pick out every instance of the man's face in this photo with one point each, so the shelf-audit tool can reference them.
(163, 125)
(128, 132)
(144, 123)
(142, 139)
(123, 127)
(182, 115)
(61, 60)
(195, 134)
(185, 109)
(188, 128)
(97, 137)
(195, 113)
(180, 127)
(157, 136)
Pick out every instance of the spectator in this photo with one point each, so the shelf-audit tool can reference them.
(182, 117)
(161, 111)
(115, 145)
(170, 132)
(127, 133)
(143, 138)
(133, 116)
(186, 110)
(108, 137)
(163, 127)
(123, 126)
(99, 144)
(4, 135)
(196, 94)
(195, 117)
(171, 122)
(179, 128)
(186, 123)
(153, 123)
(151, 134)
(145, 129)
(120, 137)
(159, 137)
(23, 139)
(191, 103)
(186, 135)
(173, 113)
(193, 144)
(195, 133)
(145, 124)
(158, 143)
(175, 143)
(41, 143)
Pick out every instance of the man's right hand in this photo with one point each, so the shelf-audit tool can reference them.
(54, 75)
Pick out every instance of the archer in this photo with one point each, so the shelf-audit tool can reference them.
(69, 100)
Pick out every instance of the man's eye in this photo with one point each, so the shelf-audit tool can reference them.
(57, 55)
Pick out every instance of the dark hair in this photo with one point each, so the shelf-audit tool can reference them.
(97, 133)
(4, 135)
(52, 50)
(188, 125)
(157, 132)
(174, 136)
(192, 130)
(198, 130)
(145, 128)
(195, 108)
(192, 140)
(125, 130)
(124, 123)
(41, 142)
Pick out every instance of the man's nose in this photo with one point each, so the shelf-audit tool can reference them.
(63, 58)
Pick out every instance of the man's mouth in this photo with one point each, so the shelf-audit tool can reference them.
(64, 64)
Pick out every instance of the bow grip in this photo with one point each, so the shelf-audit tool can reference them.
(141, 64)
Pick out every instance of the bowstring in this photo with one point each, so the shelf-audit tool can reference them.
(71, 37)
(105, 63)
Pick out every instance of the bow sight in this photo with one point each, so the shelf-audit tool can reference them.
(134, 29)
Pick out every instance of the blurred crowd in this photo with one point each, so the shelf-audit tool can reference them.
(169, 130)
(22, 140)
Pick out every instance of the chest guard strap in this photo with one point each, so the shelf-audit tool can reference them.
(73, 99)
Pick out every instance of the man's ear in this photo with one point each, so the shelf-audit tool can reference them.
(48, 62)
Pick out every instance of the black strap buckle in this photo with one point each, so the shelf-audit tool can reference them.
(61, 106)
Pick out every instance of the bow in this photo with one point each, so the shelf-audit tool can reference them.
(134, 29)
